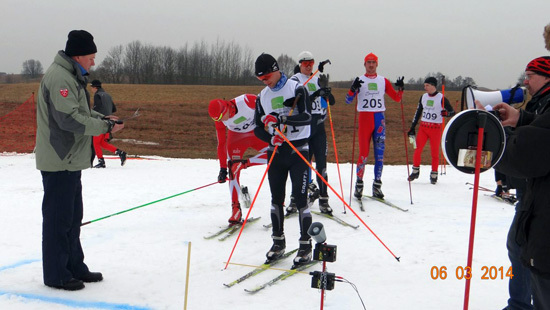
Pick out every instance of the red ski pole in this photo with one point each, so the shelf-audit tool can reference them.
(482, 118)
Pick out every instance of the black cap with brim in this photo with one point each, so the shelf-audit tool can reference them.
(265, 64)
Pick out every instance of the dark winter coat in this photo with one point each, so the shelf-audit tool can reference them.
(527, 156)
(103, 103)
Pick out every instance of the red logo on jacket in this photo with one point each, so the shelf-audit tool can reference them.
(64, 92)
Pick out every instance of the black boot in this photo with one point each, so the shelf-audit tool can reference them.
(100, 163)
(122, 156)
(433, 177)
(358, 189)
(304, 254)
(277, 249)
(377, 189)
(324, 206)
(414, 175)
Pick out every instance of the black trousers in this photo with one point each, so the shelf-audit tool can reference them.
(286, 162)
(62, 211)
(318, 148)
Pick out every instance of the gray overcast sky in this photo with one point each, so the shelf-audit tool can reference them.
(490, 41)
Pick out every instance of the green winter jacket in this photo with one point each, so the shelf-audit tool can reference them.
(65, 122)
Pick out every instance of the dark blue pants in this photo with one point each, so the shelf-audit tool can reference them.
(519, 285)
(62, 211)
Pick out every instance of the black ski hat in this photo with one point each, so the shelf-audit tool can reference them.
(79, 43)
(431, 80)
(265, 64)
(96, 83)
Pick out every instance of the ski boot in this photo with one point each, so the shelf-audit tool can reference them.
(100, 163)
(236, 214)
(324, 206)
(377, 189)
(433, 177)
(304, 254)
(245, 196)
(291, 207)
(414, 175)
(277, 249)
(122, 156)
(358, 189)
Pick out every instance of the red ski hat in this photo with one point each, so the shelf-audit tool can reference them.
(540, 66)
(217, 108)
(371, 56)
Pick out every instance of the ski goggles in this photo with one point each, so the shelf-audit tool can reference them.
(306, 63)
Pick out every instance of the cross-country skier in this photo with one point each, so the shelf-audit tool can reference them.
(285, 103)
(237, 115)
(372, 126)
(319, 92)
(103, 103)
(432, 107)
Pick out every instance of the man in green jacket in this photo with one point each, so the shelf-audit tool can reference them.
(65, 127)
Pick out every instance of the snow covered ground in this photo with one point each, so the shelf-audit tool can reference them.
(143, 253)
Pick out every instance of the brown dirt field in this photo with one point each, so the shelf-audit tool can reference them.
(174, 119)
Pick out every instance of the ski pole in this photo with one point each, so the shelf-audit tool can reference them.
(333, 190)
(406, 149)
(147, 204)
(335, 151)
(481, 121)
(443, 160)
(352, 153)
(321, 65)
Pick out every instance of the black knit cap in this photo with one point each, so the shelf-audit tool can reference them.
(265, 64)
(96, 83)
(431, 80)
(79, 43)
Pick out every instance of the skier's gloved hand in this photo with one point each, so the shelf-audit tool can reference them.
(222, 176)
(270, 121)
(399, 83)
(447, 113)
(321, 92)
(411, 133)
(356, 85)
(323, 80)
(277, 140)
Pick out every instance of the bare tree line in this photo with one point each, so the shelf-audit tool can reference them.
(220, 63)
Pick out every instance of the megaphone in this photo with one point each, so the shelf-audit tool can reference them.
(513, 95)
(317, 232)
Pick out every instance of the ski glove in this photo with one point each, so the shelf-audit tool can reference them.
(411, 133)
(277, 140)
(323, 80)
(322, 92)
(356, 85)
(399, 83)
(223, 175)
(447, 113)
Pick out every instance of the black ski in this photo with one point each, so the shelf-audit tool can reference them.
(260, 269)
(230, 229)
(384, 201)
(336, 219)
(282, 276)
